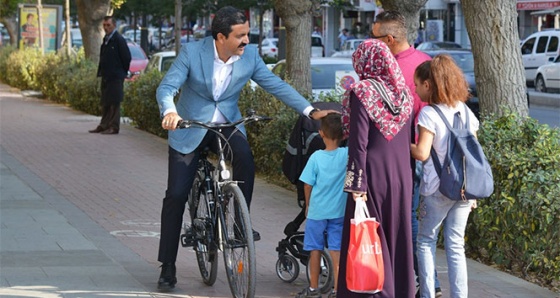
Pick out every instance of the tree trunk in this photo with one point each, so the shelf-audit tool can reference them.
(410, 9)
(297, 17)
(90, 16)
(500, 81)
(11, 25)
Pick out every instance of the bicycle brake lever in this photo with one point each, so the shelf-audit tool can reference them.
(183, 124)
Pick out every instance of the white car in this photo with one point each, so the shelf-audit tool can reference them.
(317, 47)
(538, 49)
(328, 75)
(269, 47)
(348, 48)
(548, 77)
(161, 61)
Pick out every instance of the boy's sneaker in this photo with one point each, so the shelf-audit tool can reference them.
(332, 294)
(308, 293)
(438, 293)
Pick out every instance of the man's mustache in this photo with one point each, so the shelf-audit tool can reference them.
(242, 45)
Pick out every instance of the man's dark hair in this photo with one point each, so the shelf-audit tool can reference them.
(30, 15)
(106, 18)
(392, 23)
(331, 125)
(225, 18)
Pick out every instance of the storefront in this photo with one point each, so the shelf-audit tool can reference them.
(537, 16)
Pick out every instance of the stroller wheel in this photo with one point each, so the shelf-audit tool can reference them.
(326, 275)
(287, 268)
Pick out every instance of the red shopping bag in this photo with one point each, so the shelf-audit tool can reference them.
(364, 269)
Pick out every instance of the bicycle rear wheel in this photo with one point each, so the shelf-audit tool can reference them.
(205, 246)
(239, 248)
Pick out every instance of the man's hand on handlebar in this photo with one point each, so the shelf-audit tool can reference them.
(322, 113)
(170, 121)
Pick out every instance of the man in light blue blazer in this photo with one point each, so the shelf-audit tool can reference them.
(211, 74)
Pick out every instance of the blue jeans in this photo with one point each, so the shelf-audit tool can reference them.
(415, 200)
(435, 210)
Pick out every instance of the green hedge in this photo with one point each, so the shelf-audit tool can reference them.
(140, 103)
(518, 227)
(67, 80)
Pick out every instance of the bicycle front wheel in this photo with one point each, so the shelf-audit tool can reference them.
(205, 247)
(238, 245)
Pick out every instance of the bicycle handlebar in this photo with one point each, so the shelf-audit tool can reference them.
(246, 119)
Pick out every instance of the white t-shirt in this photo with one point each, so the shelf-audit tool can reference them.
(431, 120)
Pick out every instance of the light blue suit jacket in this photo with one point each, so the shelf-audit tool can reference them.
(192, 72)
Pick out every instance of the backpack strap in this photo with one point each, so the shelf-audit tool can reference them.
(457, 123)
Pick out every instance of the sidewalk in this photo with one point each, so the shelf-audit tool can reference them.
(79, 215)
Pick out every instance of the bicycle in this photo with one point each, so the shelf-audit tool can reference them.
(220, 217)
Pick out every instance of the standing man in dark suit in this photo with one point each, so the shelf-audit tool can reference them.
(211, 74)
(114, 61)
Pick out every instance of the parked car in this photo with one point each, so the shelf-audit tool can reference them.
(153, 38)
(437, 45)
(4, 35)
(537, 50)
(161, 61)
(317, 47)
(327, 74)
(465, 61)
(138, 62)
(348, 48)
(548, 77)
(269, 47)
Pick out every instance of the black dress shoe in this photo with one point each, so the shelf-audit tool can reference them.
(167, 278)
(96, 130)
(256, 236)
(110, 131)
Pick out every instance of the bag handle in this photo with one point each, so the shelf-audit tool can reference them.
(361, 212)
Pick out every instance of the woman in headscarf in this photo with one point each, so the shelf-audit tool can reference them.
(376, 116)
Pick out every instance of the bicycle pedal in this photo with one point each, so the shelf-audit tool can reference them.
(188, 239)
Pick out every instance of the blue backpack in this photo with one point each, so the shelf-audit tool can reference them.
(466, 172)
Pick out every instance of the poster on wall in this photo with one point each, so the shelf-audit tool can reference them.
(28, 26)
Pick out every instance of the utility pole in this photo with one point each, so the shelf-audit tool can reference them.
(178, 25)
(40, 22)
(68, 37)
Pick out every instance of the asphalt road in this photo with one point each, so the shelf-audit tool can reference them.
(545, 107)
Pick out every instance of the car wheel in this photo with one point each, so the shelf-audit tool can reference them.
(539, 84)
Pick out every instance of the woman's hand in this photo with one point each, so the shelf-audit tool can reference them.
(359, 196)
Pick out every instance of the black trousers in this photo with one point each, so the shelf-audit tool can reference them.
(111, 97)
(181, 171)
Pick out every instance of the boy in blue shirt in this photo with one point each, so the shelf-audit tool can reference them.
(325, 201)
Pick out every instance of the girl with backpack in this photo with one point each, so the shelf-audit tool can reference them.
(441, 83)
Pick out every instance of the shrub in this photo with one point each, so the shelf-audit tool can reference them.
(21, 68)
(5, 52)
(268, 140)
(83, 87)
(140, 102)
(518, 226)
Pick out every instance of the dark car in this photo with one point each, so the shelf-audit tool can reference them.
(465, 61)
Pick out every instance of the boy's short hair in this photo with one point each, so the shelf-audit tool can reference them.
(331, 125)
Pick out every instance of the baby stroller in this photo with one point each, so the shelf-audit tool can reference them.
(304, 140)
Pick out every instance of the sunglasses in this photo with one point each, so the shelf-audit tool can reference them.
(380, 36)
